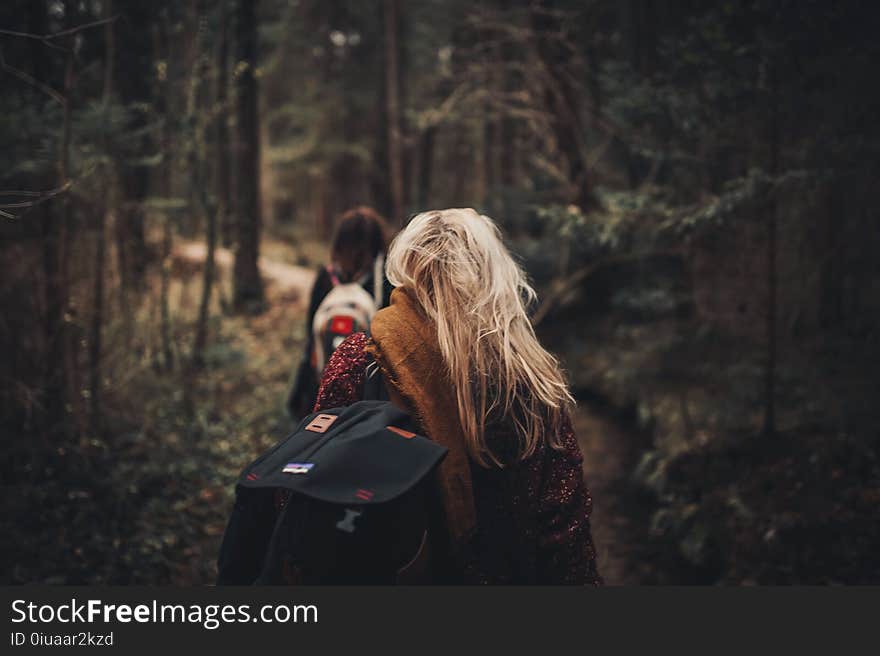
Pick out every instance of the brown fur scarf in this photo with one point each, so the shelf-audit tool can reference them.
(404, 344)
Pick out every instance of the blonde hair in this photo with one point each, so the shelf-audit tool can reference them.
(459, 271)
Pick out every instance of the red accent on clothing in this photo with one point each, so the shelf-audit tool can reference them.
(403, 433)
(341, 325)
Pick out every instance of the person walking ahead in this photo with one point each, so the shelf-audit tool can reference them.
(355, 277)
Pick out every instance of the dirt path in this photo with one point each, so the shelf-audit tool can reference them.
(607, 450)
(290, 279)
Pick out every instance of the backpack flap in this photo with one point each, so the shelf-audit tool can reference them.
(363, 454)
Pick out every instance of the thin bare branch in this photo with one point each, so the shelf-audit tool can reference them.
(22, 192)
(84, 26)
(30, 80)
(39, 198)
(47, 38)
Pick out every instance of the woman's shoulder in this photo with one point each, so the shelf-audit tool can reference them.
(343, 379)
(351, 353)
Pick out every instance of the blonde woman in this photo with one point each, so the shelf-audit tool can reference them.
(456, 349)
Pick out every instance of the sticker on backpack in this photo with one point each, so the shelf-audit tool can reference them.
(297, 467)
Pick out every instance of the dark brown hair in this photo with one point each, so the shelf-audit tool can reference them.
(361, 235)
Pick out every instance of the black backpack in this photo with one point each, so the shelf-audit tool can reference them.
(348, 498)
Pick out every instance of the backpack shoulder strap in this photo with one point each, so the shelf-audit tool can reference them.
(444, 568)
(378, 279)
(374, 383)
(334, 278)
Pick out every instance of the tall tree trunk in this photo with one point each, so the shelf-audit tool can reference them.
(248, 285)
(379, 185)
(210, 209)
(494, 84)
(393, 111)
(207, 203)
(457, 161)
(164, 289)
(772, 232)
(53, 291)
(426, 166)
(68, 347)
(100, 247)
(562, 101)
(134, 74)
(507, 131)
(163, 95)
(223, 182)
(490, 172)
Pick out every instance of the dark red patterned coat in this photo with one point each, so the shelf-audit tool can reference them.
(533, 517)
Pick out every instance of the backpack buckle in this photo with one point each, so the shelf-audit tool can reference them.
(321, 423)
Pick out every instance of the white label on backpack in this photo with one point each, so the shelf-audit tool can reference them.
(297, 467)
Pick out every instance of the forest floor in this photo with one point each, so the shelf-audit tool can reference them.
(147, 503)
(707, 496)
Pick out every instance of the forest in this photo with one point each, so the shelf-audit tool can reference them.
(691, 187)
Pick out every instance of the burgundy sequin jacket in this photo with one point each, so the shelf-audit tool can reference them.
(533, 517)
